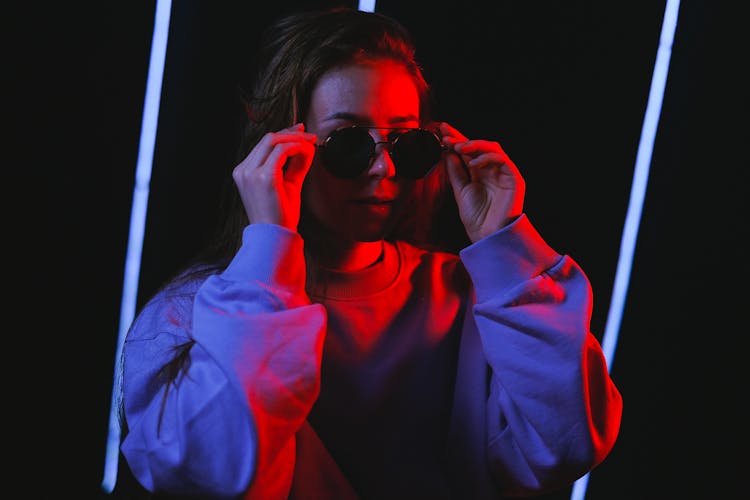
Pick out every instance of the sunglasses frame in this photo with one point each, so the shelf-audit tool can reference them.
(390, 145)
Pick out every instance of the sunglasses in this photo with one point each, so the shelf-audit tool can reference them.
(349, 151)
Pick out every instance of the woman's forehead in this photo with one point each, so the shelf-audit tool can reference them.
(379, 89)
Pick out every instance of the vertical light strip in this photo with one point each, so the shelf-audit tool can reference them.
(137, 222)
(367, 5)
(637, 195)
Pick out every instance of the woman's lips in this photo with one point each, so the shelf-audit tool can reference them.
(374, 206)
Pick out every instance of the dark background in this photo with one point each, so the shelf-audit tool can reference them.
(562, 85)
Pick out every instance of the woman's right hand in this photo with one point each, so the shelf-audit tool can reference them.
(270, 177)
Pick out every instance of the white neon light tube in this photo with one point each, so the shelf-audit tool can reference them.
(367, 5)
(637, 195)
(137, 223)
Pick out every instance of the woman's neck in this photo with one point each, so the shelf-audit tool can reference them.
(332, 251)
(347, 256)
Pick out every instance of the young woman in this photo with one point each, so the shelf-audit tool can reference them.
(332, 345)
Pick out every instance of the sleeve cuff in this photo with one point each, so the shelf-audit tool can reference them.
(513, 254)
(269, 254)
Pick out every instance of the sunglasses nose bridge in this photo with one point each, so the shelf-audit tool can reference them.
(380, 136)
(383, 146)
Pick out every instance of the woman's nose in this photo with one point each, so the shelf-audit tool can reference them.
(382, 164)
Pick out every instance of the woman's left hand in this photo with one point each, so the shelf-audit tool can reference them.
(487, 185)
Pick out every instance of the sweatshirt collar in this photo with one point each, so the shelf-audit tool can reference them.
(326, 283)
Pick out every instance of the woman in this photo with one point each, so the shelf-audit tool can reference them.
(329, 346)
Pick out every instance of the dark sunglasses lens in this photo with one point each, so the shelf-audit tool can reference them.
(348, 151)
(415, 153)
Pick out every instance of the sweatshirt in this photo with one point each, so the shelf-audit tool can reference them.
(426, 375)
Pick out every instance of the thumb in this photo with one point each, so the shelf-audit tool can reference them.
(458, 173)
(299, 160)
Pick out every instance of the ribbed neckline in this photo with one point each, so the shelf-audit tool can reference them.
(342, 285)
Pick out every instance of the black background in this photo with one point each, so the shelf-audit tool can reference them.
(562, 85)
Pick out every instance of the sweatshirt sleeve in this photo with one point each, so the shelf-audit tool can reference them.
(553, 413)
(226, 427)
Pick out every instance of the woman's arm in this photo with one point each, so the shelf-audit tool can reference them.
(553, 412)
(250, 379)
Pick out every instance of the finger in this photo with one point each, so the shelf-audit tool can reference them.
(260, 153)
(478, 146)
(450, 136)
(485, 159)
(481, 153)
(291, 159)
(487, 168)
(489, 160)
(448, 130)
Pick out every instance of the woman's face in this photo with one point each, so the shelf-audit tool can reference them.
(380, 94)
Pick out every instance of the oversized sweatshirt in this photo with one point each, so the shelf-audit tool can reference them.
(427, 375)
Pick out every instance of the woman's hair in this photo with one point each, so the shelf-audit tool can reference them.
(295, 52)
